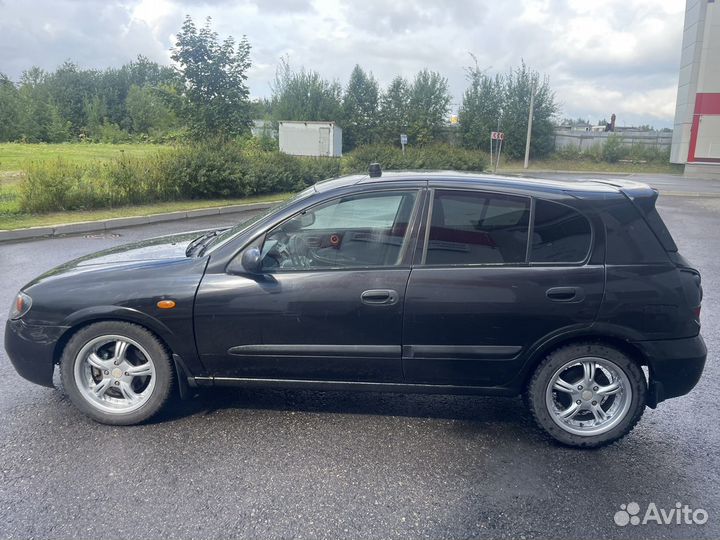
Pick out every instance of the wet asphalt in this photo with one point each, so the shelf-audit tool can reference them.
(301, 464)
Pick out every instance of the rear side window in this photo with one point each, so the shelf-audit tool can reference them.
(560, 234)
(477, 228)
(629, 238)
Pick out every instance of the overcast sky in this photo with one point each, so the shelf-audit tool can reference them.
(602, 56)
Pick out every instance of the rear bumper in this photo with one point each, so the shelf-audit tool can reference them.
(31, 350)
(675, 366)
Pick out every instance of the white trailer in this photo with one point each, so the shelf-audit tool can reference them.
(322, 139)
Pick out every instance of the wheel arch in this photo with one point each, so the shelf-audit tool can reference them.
(84, 318)
(616, 340)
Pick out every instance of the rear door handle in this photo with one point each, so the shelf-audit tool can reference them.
(379, 297)
(565, 294)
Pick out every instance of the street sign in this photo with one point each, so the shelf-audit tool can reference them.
(403, 139)
(498, 136)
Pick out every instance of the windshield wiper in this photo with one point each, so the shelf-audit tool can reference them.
(207, 243)
(200, 241)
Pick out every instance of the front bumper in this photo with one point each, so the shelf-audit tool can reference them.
(32, 350)
(675, 366)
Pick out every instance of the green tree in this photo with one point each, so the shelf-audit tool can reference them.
(70, 89)
(519, 84)
(505, 99)
(147, 110)
(34, 116)
(304, 95)
(95, 112)
(42, 105)
(214, 78)
(481, 107)
(58, 129)
(260, 109)
(428, 107)
(394, 111)
(360, 110)
(10, 108)
(113, 86)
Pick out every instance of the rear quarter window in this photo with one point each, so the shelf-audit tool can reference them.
(629, 238)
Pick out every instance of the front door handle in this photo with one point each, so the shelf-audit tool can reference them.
(379, 297)
(565, 294)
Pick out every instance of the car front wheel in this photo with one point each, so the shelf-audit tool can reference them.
(587, 394)
(116, 372)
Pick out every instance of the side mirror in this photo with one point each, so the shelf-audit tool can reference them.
(251, 260)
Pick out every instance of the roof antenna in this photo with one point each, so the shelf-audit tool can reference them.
(374, 170)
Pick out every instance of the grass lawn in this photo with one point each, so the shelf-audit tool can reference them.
(13, 156)
(21, 221)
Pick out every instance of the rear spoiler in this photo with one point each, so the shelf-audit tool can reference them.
(643, 198)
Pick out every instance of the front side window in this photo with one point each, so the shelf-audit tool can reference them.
(560, 234)
(356, 231)
(477, 228)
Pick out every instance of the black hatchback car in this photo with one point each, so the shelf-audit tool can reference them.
(572, 294)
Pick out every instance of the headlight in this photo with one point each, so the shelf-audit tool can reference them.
(20, 306)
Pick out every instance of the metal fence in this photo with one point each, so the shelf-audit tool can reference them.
(584, 140)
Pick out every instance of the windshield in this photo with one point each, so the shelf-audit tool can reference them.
(225, 236)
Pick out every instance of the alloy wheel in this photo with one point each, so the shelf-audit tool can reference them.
(114, 374)
(588, 396)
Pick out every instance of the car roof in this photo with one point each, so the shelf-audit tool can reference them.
(579, 186)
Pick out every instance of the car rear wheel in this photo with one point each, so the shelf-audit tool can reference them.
(587, 394)
(116, 372)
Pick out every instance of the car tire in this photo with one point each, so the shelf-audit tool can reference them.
(117, 373)
(587, 394)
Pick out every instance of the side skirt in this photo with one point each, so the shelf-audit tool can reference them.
(402, 388)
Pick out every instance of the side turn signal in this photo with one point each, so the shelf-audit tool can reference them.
(166, 304)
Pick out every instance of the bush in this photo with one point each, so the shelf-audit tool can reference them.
(440, 156)
(213, 169)
(112, 133)
(205, 171)
(649, 154)
(133, 180)
(570, 153)
(613, 149)
(58, 185)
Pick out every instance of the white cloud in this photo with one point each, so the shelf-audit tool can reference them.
(602, 56)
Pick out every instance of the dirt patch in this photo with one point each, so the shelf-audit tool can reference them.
(9, 178)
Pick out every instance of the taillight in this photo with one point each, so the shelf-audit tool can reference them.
(692, 288)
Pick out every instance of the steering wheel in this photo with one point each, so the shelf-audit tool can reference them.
(289, 248)
(296, 248)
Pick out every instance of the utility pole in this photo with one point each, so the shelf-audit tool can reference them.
(529, 131)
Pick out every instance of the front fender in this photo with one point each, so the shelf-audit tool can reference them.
(181, 345)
